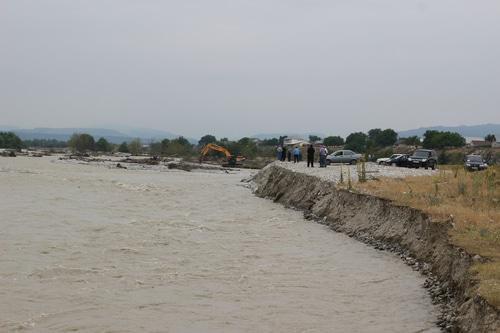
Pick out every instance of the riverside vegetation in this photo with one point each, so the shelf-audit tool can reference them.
(469, 200)
(373, 144)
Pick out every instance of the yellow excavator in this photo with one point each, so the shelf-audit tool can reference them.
(232, 160)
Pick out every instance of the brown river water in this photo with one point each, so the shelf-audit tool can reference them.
(90, 248)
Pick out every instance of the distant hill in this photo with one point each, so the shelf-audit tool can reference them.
(112, 135)
(148, 133)
(467, 131)
(263, 136)
(7, 128)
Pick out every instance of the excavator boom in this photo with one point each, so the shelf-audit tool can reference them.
(212, 146)
(231, 160)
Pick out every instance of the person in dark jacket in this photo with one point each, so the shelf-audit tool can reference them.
(310, 156)
(296, 155)
(283, 155)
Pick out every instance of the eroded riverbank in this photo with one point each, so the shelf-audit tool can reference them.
(92, 249)
(420, 241)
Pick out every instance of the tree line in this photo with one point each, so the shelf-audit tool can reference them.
(374, 140)
(173, 147)
(10, 140)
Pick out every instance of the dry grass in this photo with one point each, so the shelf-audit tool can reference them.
(470, 199)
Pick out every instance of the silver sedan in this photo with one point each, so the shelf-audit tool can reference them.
(343, 156)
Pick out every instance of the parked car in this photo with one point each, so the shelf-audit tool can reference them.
(425, 158)
(401, 160)
(384, 160)
(343, 156)
(475, 162)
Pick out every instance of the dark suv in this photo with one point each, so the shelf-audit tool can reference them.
(425, 158)
(475, 162)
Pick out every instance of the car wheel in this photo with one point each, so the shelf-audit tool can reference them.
(433, 166)
(353, 162)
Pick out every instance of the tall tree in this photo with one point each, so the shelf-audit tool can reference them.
(439, 140)
(333, 141)
(387, 137)
(270, 142)
(123, 148)
(10, 140)
(182, 141)
(490, 138)
(81, 142)
(314, 138)
(382, 138)
(135, 146)
(411, 141)
(159, 148)
(102, 145)
(164, 146)
(374, 133)
(206, 139)
(356, 141)
(178, 147)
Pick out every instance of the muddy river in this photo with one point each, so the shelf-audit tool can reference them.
(90, 248)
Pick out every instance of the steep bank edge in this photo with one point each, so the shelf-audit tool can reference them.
(380, 222)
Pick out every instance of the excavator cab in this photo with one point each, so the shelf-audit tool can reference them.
(231, 161)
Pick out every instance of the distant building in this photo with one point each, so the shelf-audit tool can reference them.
(295, 142)
(469, 139)
(480, 143)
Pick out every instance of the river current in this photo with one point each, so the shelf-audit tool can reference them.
(92, 248)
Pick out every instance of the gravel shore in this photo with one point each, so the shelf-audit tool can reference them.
(373, 170)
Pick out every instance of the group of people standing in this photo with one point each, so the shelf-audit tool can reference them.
(283, 154)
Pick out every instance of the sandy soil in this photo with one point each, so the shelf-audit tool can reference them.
(85, 248)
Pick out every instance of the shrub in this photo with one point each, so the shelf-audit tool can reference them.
(411, 141)
(333, 141)
(439, 140)
(10, 140)
(177, 147)
(135, 147)
(81, 142)
(103, 145)
(123, 148)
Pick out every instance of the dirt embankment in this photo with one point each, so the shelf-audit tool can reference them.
(412, 234)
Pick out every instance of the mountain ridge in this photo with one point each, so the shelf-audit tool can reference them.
(112, 135)
(465, 130)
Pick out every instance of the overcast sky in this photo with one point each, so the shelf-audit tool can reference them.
(241, 67)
